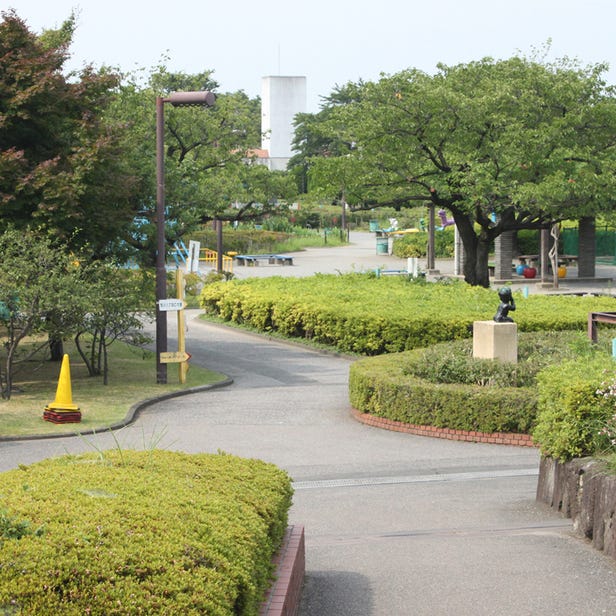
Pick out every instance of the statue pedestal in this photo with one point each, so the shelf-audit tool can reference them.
(492, 340)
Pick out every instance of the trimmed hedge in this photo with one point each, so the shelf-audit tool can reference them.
(444, 386)
(571, 412)
(125, 532)
(362, 314)
(385, 386)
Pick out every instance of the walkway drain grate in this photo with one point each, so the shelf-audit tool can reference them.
(439, 477)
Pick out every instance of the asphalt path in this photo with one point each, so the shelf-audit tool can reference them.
(395, 524)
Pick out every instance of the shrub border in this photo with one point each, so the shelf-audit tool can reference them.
(495, 438)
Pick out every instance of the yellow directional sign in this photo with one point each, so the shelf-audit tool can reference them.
(174, 357)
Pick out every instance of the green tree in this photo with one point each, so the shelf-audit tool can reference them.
(45, 291)
(503, 145)
(210, 162)
(311, 141)
(119, 304)
(60, 166)
(37, 278)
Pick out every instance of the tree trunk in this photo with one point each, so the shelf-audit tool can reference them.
(476, 252)
(56, 348)
(105, 366)
(84, 357)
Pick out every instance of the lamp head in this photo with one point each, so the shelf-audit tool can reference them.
(203, 98)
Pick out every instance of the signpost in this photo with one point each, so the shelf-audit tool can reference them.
(176, 304)
(174, 357)
(166, 305)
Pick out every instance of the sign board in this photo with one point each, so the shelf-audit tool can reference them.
(174, 357)
(194, 249)
(164, 305)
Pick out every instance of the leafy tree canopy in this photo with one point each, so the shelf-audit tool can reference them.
(60, 166)
(503, 145)
(209, 154)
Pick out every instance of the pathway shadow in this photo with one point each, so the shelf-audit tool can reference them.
(335, 593)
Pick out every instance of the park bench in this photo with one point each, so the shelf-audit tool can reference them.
(390, 272)
(562, 259)
(599, 317)
(271, 259)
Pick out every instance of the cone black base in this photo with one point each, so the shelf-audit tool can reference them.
(59, 417)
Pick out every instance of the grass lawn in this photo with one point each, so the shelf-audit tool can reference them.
(132, 378)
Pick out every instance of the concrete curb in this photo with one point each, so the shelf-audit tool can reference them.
(133, 413)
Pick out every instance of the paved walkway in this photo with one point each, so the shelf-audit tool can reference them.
(395, 524)
(361, 256)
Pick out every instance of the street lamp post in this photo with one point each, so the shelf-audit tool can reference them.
(177, 99)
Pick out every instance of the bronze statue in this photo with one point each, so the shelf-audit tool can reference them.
(507, 305)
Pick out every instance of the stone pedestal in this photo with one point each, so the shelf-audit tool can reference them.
(493, 340)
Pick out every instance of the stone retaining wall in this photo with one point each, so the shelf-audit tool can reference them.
(581, 490)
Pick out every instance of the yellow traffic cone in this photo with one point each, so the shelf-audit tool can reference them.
(64, 395)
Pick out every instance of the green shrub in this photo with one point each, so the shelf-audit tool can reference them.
(570, 409)
(454, 362)
(243, 240)
(385, 386)
(527, 242)
(275, 235)
(128, 532)
(363, 314)
(416, 244)
(445, 386)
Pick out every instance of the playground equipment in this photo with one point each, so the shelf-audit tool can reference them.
(210, 258)
(445, 222)
(180, 254)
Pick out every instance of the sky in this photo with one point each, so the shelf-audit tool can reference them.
(330, 42)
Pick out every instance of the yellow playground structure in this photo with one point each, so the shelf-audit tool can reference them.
(210, 258)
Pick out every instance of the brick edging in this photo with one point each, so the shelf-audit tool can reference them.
(496, 438)
(283, 597)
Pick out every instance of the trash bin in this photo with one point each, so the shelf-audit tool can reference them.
(382, 245)
(374, 226)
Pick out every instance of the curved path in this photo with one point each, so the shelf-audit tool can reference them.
(395, 524)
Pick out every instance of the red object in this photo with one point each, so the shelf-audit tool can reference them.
(62, 417)
(530, 272)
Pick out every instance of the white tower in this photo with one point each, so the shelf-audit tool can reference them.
(281, 99)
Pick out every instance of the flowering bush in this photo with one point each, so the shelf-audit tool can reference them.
(571, 413)
(606, 432)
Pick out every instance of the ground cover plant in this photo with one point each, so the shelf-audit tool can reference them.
(151, 532)
(444, 386)
(360, 313)
(132, 379)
